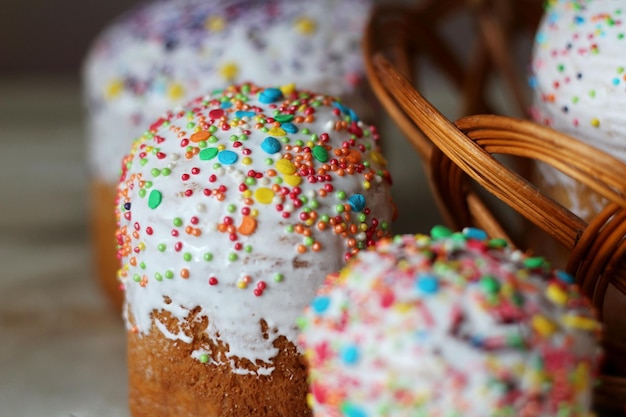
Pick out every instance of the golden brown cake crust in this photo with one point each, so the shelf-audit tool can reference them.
(166, 381)
(103, 226)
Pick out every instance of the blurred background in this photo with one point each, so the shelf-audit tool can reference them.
(61, 345)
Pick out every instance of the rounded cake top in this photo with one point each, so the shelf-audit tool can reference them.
(163, 53)
(449, 324)
(240, 203)
(577, 71)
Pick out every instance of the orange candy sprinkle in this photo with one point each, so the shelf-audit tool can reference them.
(247, 226)
(184, 273)
(199, 136)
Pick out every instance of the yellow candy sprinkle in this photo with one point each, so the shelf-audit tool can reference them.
(229, 71)
(577, 322)
(581, 377)
(367, 185)
(310, 400)
(247, 194)
(293, 180)
(595, 122)
(241, 284)
(264, 195)
(402, 308)
(543, 325)
(284, 166)
(277, 131)
(114, 88)
(246, 160)
(221, 147)
(215, 23)
(556, 294)
(306, 26)
(175, 91)
(288, 88)
(254, 213)
(378, 158)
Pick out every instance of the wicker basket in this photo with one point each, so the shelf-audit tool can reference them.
(408, 32)
(461, 158)
(463, 167)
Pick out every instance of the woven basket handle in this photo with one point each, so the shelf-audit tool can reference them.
(482, 167)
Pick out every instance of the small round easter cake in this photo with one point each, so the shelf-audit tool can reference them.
(449, 324)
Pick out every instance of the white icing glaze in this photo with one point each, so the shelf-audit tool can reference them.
(233, 310)
(163, 53)
(381, 342)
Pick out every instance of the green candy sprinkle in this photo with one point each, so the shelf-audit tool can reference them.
(169, 274)
(208, 154)
(233, 257)
(166, 171)
(489, 285)
(247, 248)
(534, 262)
(177, 221)
(142, 193)
(161, 247)
(231, 208)
(155, 199)
(208, 256)
(278, 277)
(203, 358)
(439, 232)
(187, 256)
(136, 277)
(158, 276)
(155, 172)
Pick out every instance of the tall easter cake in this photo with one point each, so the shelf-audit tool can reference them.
(232, 210)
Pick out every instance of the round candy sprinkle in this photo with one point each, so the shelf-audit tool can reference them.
(270, 95)
(270, 145)
(227, 157)
(357, 202)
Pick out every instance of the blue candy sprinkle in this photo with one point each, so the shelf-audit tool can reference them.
(320, 304)
(289, 127)
(351, 410)
(353, 116)
(475, 233)
(357, 202)
(350, 354)
(427, 283)
(226, 104)
(564, 276)
(270, 95)
(270, 145)
(227, 157)
(242, 113)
